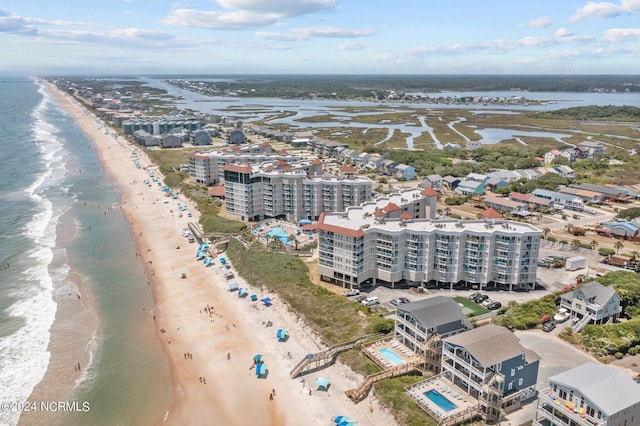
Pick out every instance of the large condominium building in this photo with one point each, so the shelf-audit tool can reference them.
(589, 395)
(208, 167)
(395, 239)
(289, 191)
(160, 125)
(490, 365)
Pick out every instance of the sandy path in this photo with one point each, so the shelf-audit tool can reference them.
(232, 393)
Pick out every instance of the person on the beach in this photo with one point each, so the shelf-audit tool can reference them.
(228, 356)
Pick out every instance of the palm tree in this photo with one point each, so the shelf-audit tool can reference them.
(447, 211)
(618, 245)
(575, 244)
(569, 228)
(593, 244)
(539, 216)
(546, 232)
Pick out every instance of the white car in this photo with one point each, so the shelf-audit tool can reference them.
(487, 302)
(562, 315)
(352, 292)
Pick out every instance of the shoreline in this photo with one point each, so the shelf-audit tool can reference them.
(232, 394)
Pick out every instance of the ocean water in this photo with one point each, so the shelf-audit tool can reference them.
(60, 219)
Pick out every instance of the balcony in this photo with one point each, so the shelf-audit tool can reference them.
(556, 409)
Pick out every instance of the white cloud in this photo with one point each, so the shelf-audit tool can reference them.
(606, 9)
(282, 8)
(245, 14)
(540, 22)
(300, 34)
(563, 32)
(353, 45)
(236, 20)
(617, 35)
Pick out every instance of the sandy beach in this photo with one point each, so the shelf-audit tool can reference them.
(200, 322)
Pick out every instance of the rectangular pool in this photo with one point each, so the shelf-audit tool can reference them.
(440, 400)
(391, 356)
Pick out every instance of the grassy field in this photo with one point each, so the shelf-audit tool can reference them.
(470, 308)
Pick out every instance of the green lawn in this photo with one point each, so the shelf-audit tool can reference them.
(469, 307)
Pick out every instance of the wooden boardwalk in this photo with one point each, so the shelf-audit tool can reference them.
(314, 362)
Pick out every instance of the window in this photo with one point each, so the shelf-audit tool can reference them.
(513, 372)
(520, 382)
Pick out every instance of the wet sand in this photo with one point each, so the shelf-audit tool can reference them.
(232, 393)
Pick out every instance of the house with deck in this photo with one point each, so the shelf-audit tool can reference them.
(490, 365)
(591, 394)
(591, 303)
(422, 325)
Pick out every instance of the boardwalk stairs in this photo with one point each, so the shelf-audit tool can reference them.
(577, 327)
(320, 360)
(359, 393)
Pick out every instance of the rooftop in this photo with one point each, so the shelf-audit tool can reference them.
(610, 389)
(491, 344)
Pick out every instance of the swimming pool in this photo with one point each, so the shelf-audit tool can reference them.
(280, 233)
(391, 356)
(440, 400)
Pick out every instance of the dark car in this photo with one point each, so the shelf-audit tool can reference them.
(359, 298)
(480, 298)
(548, 326)
(493, 306)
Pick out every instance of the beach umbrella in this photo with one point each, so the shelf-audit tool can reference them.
(223, 260)
(257, 357)
(322, 382)
(266, 301)
(242, 292)
(309, 356)
(233, 286)
(340, 419)
(254, 297)
(282, 334)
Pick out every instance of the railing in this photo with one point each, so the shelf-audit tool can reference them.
(580, 324)
(328, 356)
(358, 394)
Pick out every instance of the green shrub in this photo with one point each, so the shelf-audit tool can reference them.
(606, 251)
(632, 351)
(619, 355)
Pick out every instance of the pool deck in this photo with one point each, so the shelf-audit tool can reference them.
(466, 405)
(371, 350)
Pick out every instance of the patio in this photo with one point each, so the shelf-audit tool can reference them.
(400, 353)
(463, 404)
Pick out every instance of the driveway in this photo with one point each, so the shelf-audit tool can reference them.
(556, 356)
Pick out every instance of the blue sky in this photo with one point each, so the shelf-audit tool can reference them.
(320, 36)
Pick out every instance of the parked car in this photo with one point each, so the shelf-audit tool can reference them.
(352, 292)
(473, 296)
(487, 302)
(562, 315)
(480, 298)
(494, 305)
(370, 301)
(548, 326)
(359, 298)
(399, 301)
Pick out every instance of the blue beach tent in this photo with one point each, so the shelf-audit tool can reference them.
(257, 357)
(322, 383)
(266, 301)
(233, 286)
(261, 369)
(282, 334)
(254, 297)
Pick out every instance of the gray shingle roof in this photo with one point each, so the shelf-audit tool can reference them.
(593, 292)
(435, 311)
(490, 344)
(610, 389)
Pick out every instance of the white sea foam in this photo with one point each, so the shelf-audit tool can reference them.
(24, 354)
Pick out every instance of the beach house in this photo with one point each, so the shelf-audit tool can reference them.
(490, 365)
(592, 303)
(422, 325)
(591, 394)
